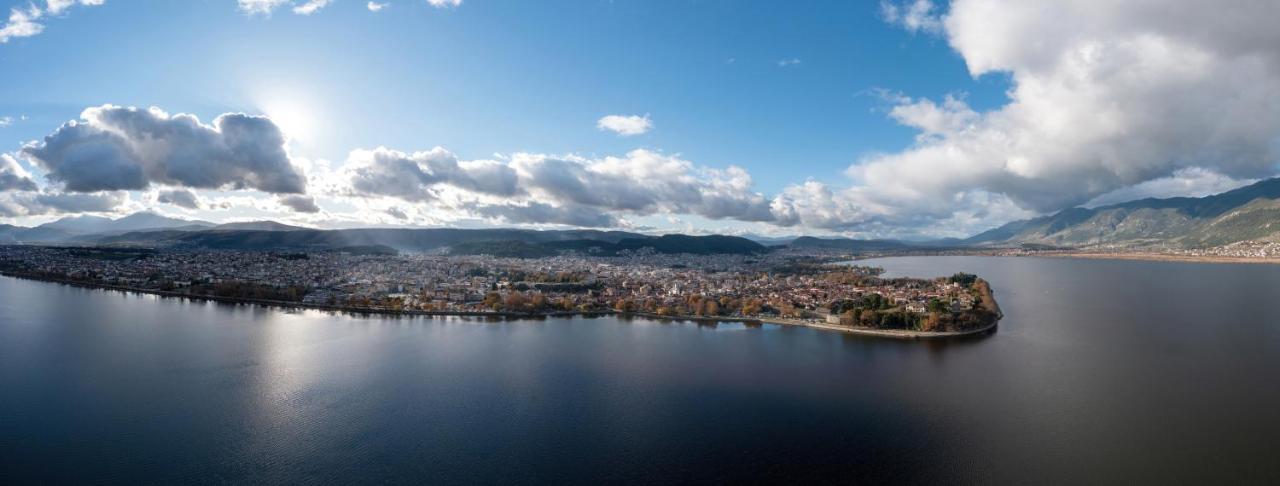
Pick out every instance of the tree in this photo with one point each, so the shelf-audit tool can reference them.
(515, 301)
(492, 300)
(538, 301)
(622, 305)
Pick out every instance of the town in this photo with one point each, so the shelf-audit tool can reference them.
(778, 286)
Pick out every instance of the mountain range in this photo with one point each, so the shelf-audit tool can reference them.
(1247, 213)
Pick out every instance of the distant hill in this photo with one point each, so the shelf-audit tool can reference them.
(846, 244)
(502, 242)
(401, 239)
(258, 226)
(670, 244)
(1247, 213)
(80, 225)
(10, 234)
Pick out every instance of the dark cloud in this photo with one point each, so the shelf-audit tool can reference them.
(12, 177)
(539, 213)
(179, 197)
(117, 148)
(301, 204)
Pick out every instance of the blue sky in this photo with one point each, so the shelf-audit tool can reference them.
(507, 76)
(789, 93)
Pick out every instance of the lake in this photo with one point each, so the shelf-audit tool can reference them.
(1100, 372)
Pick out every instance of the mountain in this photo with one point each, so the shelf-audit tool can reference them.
(504, 242)
(401, 239)
(81, 225)
(1248, 213)
(258, 226)
(846, 244)
(10, 234)
(670, 244)
(770, 240)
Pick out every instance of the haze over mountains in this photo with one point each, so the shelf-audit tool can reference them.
(1247, 213)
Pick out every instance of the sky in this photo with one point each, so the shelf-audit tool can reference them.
(906, 119)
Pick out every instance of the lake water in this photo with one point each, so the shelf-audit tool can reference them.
(1100, 372)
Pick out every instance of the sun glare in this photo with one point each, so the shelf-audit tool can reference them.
(294, 118)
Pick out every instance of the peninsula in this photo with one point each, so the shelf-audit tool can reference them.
(775, 287)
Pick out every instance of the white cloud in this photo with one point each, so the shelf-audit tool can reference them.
(1191, 182)
(916, 16)
(625, 125)
(22, 23)
(444, 3)
(789, 62)
(376, 6)
(55, 7)
(1104, 96)
(260, 7)
(311, 6)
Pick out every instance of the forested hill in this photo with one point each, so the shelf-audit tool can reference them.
(500, 242)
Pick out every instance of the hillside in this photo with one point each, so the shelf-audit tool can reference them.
(401, 239)
(1247, 213)
(846, 244)
(82, 225)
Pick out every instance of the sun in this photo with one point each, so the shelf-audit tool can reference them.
(295, 119)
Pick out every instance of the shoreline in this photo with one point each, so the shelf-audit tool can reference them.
(884, 333)
(1162, 257)
(1137, 256)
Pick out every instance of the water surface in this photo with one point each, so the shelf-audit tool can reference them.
(1101, 372)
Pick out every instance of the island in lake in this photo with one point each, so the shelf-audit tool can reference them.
(778, 286)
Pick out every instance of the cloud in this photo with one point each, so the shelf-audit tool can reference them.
(14, 203)
(789, 62)
(22, 23)
(265, 8)
(116, 148)
(916, 16)
(537, 188)
(260, 7)
(1191, 182)
(6, 121)
(625, 125)
(13, 177)
(179, 197)
(642, 182)
(376, 6)
(540, 213)
(80, 203)
(444, 3)
(55, 7)
(420, 175)
(1104, 96)
(311, 6)
(299, 203)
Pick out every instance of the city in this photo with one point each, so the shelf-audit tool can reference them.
(785, 287)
